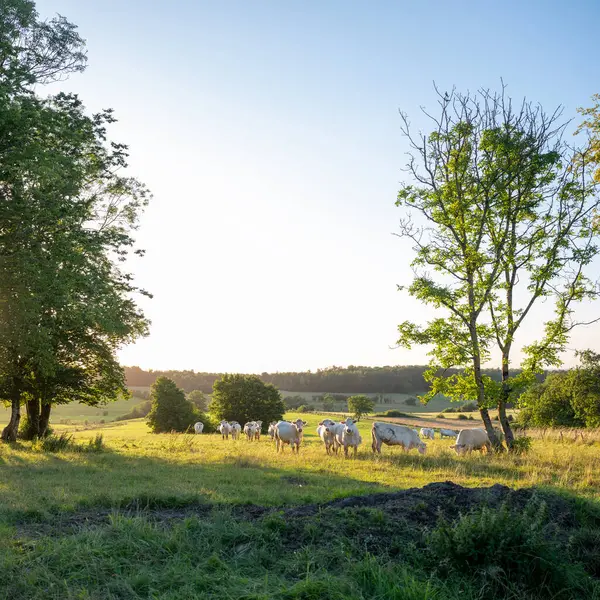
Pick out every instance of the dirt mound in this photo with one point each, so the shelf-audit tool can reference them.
(424, 505)
(421, 506)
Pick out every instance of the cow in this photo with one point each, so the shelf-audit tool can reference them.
(289, 433)
(347, 436)
(395, 435)
(471, 439)
(271, 430)
(326, 433)
(250, 430)
(224, 429)
(198, 427)
(448, 433)
(236, 429)
(257, 429)
(427, 432)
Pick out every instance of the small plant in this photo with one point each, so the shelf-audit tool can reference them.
(54, 443)
(462, 417)
(305, 408)
(450, 409)
(584, 547)
(521, 444)
(396, 414)
(441, 416)
(468, 407)
(95, 445)
(412, 401)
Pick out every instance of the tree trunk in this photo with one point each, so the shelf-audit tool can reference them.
(9, 434)
(508, 434)
(44, 419)
(33, 419)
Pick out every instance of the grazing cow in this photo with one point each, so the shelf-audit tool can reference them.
(250, 430)
(325, 431)
(395, 435)
(236, 429)
(224, 429)
(271, 430)
(289, 433)
(257, 430)
(448, 433)
(348, 436)
(471, 439)
(427, 432)
(198, 427)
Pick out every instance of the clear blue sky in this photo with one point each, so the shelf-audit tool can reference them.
(270, 136)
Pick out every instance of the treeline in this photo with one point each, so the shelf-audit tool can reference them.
(401, 379)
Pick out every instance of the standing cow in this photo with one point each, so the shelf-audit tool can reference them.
(395, 435)
(271, 430)
(289, 433)
(447, 433)
(427, 432)
(224, 429)
(471, 439)
(236, 429)
(326, 433)
(250, 430)
(347, 436)
(257, 430)
(198, 427)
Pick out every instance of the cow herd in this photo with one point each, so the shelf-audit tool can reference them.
(345, 434)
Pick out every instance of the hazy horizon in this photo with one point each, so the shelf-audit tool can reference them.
(270, 137)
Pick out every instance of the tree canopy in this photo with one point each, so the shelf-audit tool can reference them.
(360, 405)
(170, 411)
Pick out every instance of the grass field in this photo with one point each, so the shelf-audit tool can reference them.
(198, 524)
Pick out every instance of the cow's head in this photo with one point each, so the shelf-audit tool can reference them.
(349, 425)
(458, 449)
(422, 448)
(327, 423)
(299, 423)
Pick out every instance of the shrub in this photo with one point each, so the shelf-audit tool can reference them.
(440, 416)
(462, 417)
(450, 409)
(500, 545)
(170, 409)
(199, 400)
(521, 444)
(397, 414)
(412, 401)
(54, 443)
(294, 402)
(105, 413)
(137, 412)
(95, 445)
(469, 407)
(305, 408)
(470, 417)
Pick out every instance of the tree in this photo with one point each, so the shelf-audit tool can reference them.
(328, 402)
(199, 400)
(360, 405)
(170, 410)
(66, 217)
(500, 201)
(246, 398)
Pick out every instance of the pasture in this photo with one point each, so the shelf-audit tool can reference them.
(183, 516)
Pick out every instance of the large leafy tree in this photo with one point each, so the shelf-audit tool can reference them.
(246, 398)
(360, 405)
(66, 221)
(171, 411)
(499, 201)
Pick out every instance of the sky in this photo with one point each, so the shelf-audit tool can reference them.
(269, 134)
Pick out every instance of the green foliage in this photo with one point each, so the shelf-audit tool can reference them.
(462, 417)
(137, 412)
(412, 401)
(199, 400)
(567, 399)
(500, 546)
(305, 408)
(396, 414)
(67, 214)
(521, 444)
(293, 402)
(360, 405)
(328, 402)
(246, 398)
(170, 409)
(584, 548)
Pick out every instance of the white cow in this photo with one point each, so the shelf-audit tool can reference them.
(471, 439)
(427, 432)
(348, 436)
(448, 433)
(250, 430)
(289, 433)
(271, 430)
(236, 429)
(326, 433)
(257, 429)
(198, 427)
(395, 435)
(224, 429)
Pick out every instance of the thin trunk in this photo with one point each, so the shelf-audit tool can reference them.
(9, 434)
(44, 419)
(508, 434)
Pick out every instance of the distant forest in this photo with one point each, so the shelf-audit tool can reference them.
(405, 379)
